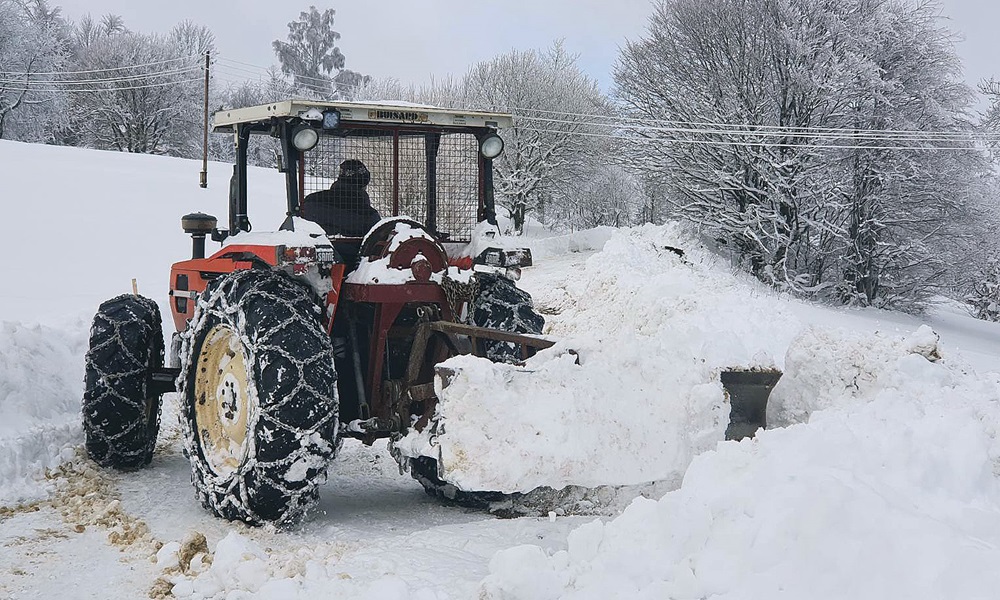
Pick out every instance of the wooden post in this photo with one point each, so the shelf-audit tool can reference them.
(204, 144)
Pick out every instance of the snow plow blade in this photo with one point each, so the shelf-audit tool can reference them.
(481, 451)
(456, 338)
(748, 393)
(529, 344)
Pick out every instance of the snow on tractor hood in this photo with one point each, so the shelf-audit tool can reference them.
(307, 233)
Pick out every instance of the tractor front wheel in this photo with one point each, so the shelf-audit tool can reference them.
(260, 402)
(501, 305)
(121, 412)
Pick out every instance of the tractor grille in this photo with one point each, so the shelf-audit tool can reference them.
(445, 199)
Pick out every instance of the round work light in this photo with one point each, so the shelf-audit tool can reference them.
(304, 137)
(491, 146)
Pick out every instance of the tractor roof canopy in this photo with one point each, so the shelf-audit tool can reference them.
(367, 113)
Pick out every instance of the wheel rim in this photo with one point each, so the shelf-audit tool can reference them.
(223, 402)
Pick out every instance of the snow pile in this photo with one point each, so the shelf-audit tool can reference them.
(894, 498)
(652, 331)
(826, 367)
(41, 386)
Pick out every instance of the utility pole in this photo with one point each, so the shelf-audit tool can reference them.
(204, 142)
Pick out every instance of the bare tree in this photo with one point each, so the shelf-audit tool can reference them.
(556, 104)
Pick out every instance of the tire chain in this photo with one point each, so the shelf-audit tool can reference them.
(116, 393)
(229, 497)
(458, 293)
(502, 305)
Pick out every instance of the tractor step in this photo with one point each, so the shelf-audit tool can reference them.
(163, 380)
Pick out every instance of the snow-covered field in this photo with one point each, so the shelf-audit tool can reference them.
(878, 478)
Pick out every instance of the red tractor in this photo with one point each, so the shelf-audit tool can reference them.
(288, 342)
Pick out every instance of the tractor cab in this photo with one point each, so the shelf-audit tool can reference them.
(430, 167)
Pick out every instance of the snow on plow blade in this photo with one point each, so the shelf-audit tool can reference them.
(529, 439)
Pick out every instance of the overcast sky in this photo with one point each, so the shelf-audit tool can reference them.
(414, 40)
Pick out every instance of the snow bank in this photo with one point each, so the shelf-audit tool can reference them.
(652, 331)
(99, 219)
(581, 241)
(896, 497)
(825, 367)
(41, 386)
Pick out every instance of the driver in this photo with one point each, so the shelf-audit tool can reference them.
(344, 209)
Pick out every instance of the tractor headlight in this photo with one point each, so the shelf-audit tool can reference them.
(304, 137)
(491, 146)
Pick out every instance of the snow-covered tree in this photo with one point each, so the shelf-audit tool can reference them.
(135, 92)
(991, 119)
(556, 104)
(761, 108)
(31, 51)
(610, 197)
(311, 56)
(263, 151)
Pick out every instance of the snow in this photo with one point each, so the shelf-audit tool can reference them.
(291, 239)
(896, 498)
(671, 324)
(378, 271)
(41, 384)
(877, 477)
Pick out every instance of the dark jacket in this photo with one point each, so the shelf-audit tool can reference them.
(344, 209)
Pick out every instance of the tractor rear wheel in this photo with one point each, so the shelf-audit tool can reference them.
(260, 398)
(121, 412)
(499, 304)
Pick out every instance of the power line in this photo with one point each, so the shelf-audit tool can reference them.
(109, 69)
(105, 89)
(758, 144)
(699, 124)
(268, 71)
(128, 78)
(828, 134)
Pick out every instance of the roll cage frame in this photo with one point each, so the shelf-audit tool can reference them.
(353, 120)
